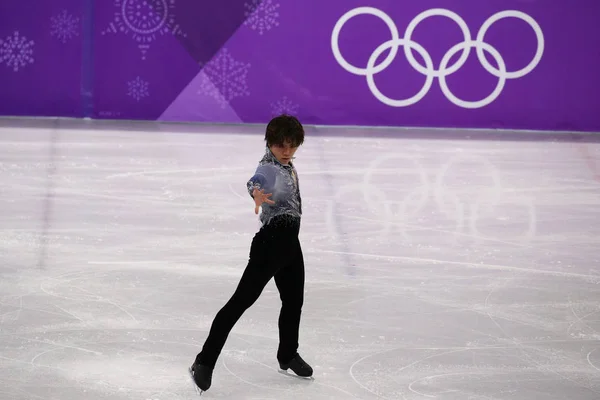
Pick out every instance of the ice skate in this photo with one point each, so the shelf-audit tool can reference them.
(202, 376)
(298, 366)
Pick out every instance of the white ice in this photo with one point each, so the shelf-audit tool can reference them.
(436, 268)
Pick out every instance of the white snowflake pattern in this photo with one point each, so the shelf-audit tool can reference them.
(284, 106)
(143, 20)
(138, 89)
(16, 51)
(225, 78)
(262, 15)
(64, 26)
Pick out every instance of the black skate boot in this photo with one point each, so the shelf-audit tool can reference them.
(202, 375)
(299, 366)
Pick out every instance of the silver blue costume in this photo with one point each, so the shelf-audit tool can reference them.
(280, 180)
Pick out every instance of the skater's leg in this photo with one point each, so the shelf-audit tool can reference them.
(290, 283)
(254, 279)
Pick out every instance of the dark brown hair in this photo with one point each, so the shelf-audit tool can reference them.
(284, 129)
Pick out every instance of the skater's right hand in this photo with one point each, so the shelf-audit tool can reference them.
(260, 197)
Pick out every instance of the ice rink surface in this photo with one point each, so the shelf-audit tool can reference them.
(457, 265)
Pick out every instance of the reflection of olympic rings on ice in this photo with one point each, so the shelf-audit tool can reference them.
(421, 191)
(376, 200)
(488, 197)
(465, 206)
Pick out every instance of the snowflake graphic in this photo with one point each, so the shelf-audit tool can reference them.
(144, 20)
(261, 15)
(16, 51)
(64, 26)
(284, 106)
(138, 89)
(225, 78)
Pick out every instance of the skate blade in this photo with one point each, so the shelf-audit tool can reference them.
(198, 390)
(308, 378)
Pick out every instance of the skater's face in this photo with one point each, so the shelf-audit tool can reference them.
(283, 152)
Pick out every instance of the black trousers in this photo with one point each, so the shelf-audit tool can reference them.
(275, 252)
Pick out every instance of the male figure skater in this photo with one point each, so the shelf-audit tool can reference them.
(275, 252)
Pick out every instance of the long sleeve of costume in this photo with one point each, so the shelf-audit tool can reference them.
(264, 178)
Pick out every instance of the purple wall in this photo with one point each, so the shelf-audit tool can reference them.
(395, 63)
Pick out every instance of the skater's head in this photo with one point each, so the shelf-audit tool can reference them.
(283, 136)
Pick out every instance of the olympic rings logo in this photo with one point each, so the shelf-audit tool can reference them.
(444, 69)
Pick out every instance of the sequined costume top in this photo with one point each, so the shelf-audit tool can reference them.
(280, 180)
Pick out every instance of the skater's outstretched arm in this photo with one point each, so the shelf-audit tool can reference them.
(263, 179)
